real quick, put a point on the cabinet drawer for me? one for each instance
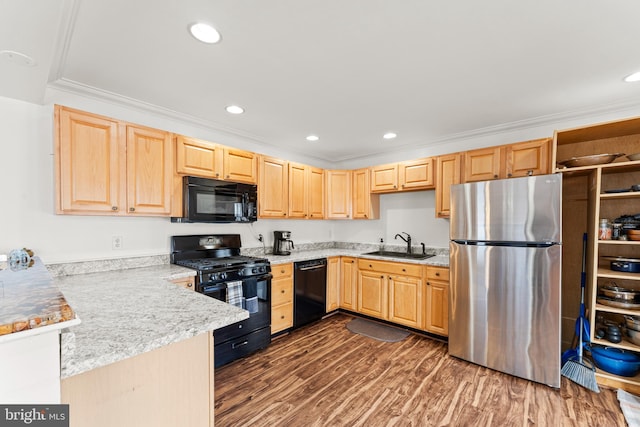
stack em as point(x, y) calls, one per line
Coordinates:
point(438, 273)
point(281, 317)
point(391, 267)
point(185, 282)
point(281, 292)
point(282, 270)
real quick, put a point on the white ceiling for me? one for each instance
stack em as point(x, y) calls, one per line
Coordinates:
point(346, 70)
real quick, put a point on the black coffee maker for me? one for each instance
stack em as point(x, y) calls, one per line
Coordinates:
point(282, 243)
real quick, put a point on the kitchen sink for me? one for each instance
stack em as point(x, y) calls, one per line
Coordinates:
point(392, 254)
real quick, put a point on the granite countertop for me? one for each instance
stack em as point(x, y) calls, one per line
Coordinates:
point(30, 301)
point(438, 260)
point(128, 312)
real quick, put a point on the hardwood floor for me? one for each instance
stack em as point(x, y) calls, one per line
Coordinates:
point(324, 375)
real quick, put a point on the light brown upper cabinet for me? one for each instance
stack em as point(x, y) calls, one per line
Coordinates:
point(384, 178)
point(273, 188)
point(483, 164)
point(417, 174)
point(209, 160)
point(198, 158)
point(149, 171)
point(306, 192)
point(338, 194)
point(240, 165)
point(508, 161)
point(448, 173)
point(107, 167)
point(529, 158)
point(364, 205)
point(404, 176)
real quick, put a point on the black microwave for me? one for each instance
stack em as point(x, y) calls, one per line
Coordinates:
point(211, 200)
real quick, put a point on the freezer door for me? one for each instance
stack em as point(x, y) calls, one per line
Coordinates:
point(504, 309)
point(514, 210)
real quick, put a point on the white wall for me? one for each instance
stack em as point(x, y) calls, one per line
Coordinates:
point(412, 212)
point(27, 215)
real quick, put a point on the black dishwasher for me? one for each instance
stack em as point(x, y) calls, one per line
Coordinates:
point(310, 283)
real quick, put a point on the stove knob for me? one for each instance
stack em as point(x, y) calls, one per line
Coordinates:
point(223, 276)
point(241, 273)
point(254, 270)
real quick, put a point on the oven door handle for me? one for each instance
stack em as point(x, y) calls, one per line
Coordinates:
point(214, 288)
point(239, 344)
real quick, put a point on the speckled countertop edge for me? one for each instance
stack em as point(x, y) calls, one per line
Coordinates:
point(129, 312)
point(437, 261)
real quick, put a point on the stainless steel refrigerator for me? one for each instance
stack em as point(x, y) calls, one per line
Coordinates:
point(505, 267)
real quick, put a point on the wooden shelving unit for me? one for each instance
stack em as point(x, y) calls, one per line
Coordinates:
point(590, 189)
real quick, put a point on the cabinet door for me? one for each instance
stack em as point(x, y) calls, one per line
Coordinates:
point(448, 173)
point(240, 166)
point(405, 300)
point(437, 300)
point(482, 165)
point(91, 175)
point(372, 294)
point(365, 205)
point(149, 171)
point(528, 158)
point(417, 174)
point(437, 310)
point(315, 193)
point(384, 178)
point(273, 188)
point(297, 191)
point(349, 283)
point(333, 283)
point(338, 194)
point(198, 158)
point(281, 297)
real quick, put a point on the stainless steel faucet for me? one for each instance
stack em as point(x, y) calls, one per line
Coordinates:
point(408, 240)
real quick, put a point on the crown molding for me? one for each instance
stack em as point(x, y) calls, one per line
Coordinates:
point(587, 114)
point(553, 121)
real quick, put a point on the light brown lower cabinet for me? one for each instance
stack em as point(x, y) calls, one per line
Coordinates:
point(281, 297)
point(437, 301)
point(186, 282)
point(391, 291)
point(411, 295)
point(348, 283)
point(167, 387)
point(333, 284)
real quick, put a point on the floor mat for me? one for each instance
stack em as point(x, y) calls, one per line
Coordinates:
point(376, 330)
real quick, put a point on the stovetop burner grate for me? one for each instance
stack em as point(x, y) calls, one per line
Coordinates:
point(224, 262)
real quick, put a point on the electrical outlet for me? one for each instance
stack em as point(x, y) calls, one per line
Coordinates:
point(260, 238)
point(116, 242)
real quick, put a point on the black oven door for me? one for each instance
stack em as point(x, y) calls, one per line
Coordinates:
point(259, 319)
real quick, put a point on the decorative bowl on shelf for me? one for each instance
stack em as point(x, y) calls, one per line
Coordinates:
point(596, 159)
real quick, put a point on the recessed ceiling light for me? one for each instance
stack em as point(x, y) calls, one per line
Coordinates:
point(204, 32)
point(389, 135)
point(18, 58)
point(234, 109)
point(313, 138)
point(635, 77)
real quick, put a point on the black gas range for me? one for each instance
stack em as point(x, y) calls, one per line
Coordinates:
point(239, 280)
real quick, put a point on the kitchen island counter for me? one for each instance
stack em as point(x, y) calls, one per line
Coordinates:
point(129, 312)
